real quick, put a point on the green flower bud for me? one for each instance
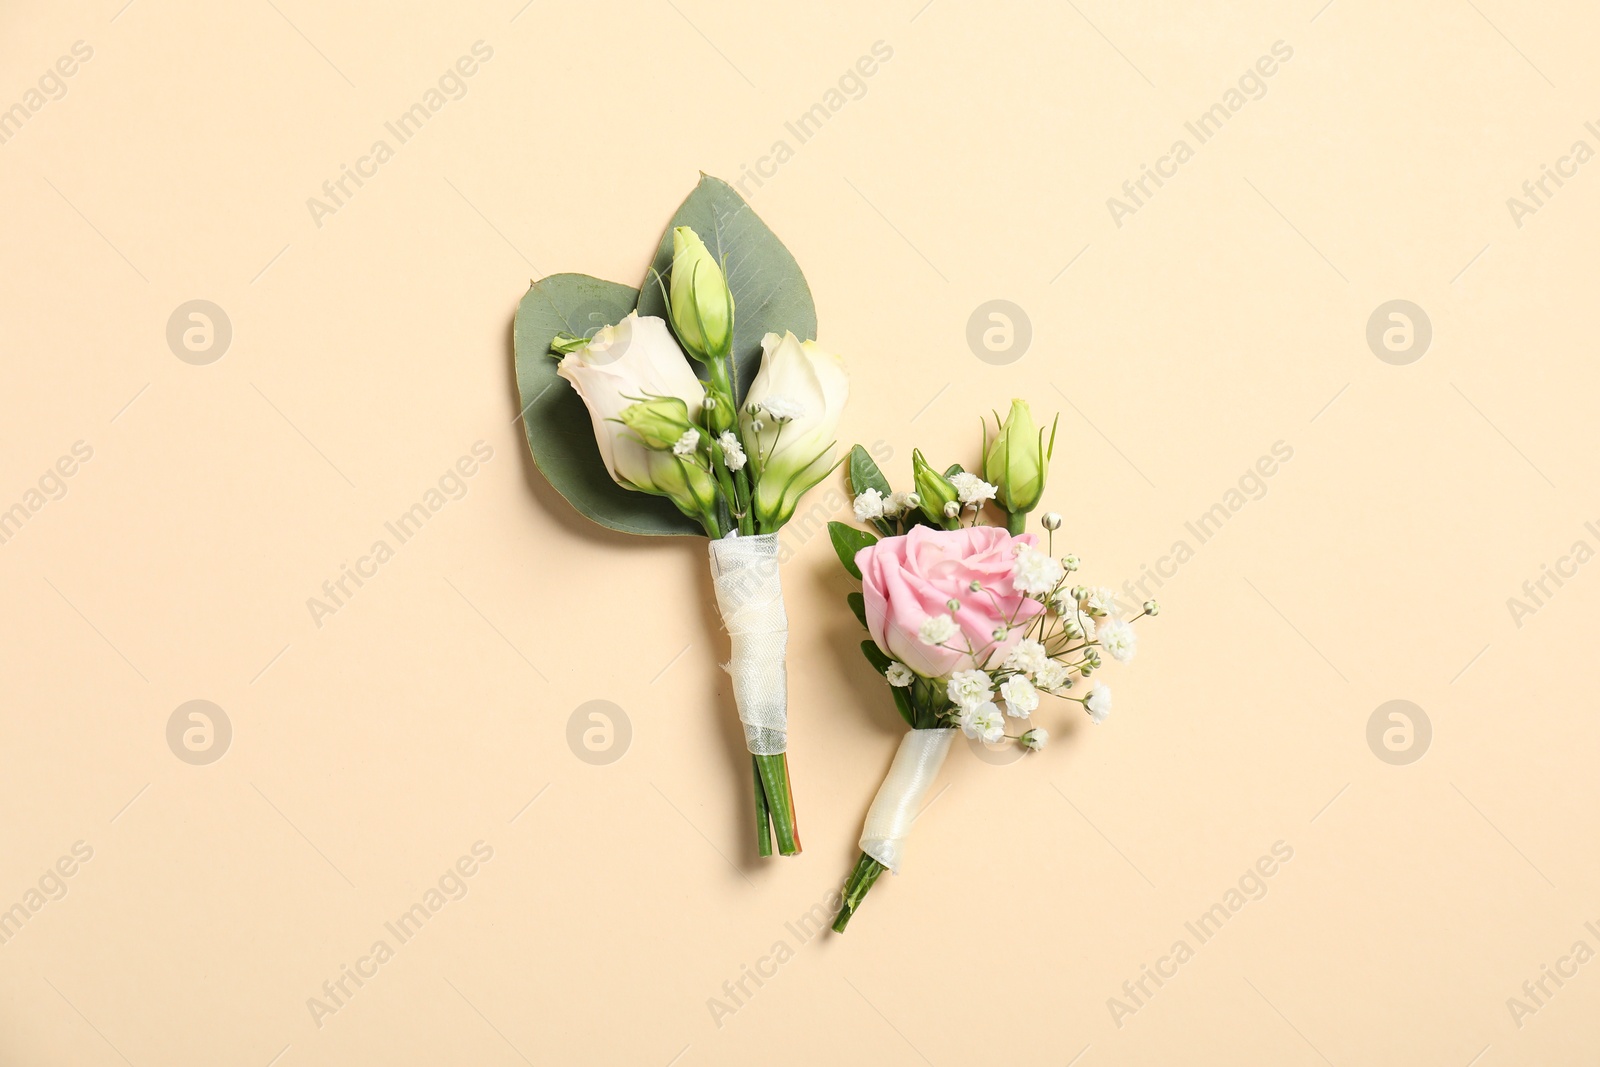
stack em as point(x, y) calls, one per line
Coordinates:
point(934, 492)
point(686, 484)
point(702, 306)
point(1017, 459)
point(719, 413)
point(660, 422)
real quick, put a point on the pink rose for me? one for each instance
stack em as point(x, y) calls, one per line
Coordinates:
point(906, 579)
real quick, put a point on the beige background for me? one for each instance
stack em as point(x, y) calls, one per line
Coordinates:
point(370, 352)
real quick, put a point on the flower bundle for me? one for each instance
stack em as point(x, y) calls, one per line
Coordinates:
point(970, 624)
point(695, 404)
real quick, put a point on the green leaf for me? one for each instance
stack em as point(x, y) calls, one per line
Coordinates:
point(864, 474)
point(847, 541)
point(875, 656)
point(770, 294)
point(902, 703)
point(952, 470)
point(858, 604)
point(559, 430)
point(880, 663)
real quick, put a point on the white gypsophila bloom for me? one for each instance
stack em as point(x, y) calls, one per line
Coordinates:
point(983, 723)
point(1035, 573)
point(951, 509)
point(937, 629)
point(1029, 657)
point(1034, 739)
point(1117, 638)
point(968, 689)
point(687, 443)
point(1098, 702)
point(1052, 676)
point(1100, 601)
point(971, 489)
point(869, 505)
point(899, 674)
point(783, 408)
point(732, 450)
point(1020, 696)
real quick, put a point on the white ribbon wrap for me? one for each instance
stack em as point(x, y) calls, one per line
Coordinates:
point(744, 571)
point(903, 793)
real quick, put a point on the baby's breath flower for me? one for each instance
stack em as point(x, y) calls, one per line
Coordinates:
point(1034, 739)
point(1029, 657)
point(971, 490)
point(968, 689)
point(783, 408)
point(1034, 572)
point(936, 629)
point(1052, 676)
point(1099, 601)
point(1098, 702)
point(899, 674)
point(899, 503)
point(732, 450)
point(1020, 696)
point(983, 723)
point(686, 444)
point(869, 505)
point(1050, 521)
point(1117, 638)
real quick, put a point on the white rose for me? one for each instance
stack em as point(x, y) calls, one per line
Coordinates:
point(796, 399)
point(637, 358)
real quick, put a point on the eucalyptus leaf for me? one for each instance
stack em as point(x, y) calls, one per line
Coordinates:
point(770, 295)
point(847, 541)
point(864, 474)
point(559, 431)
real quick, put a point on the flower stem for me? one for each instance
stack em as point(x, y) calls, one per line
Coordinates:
point(1016, 522)
point(773, 773)
point(763, 813)
point(855, 889)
